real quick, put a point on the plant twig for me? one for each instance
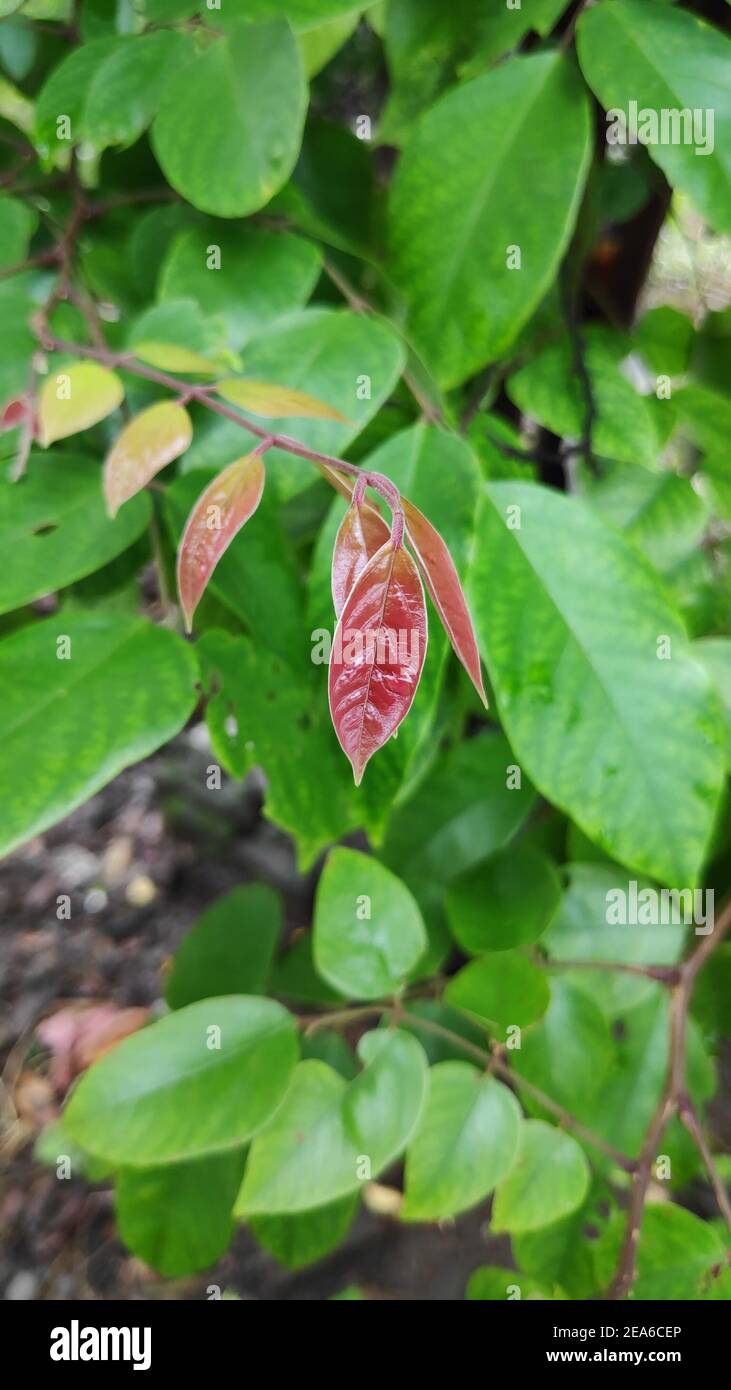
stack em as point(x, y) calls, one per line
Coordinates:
point(491, 1059)
point(200, 393)
point(500, 1068)
point(674, 1100)
point(585, 448)
point(666, 974)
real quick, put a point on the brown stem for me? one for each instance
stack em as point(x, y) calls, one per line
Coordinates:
point(490, 1059)
point(666, 974)
point(202, 395)
point(690, 1119)
point(50, 257)
point(674, 1100)
point(493, 1060)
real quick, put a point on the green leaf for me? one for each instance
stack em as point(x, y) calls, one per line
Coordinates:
point(248, 276)
point(124, 91)
point(549, 391)
point(197, 1082)
point(440, 1048)
point(591, 618)
point(506, 902)
point(502, 990)
point(549, 1180)
point(294, 977)
point(55, 526)
point(492, 1283)
point(321, 44)
point(59, 112)
point(568, 1054)
point(17, 342)
point(349, 360)
point(262, 714)
point(302, 14)
point(17, 224)
point(463, 811)
point(127, 685)
point(706, 415)
point(178, 1218)
point(299, 1240)
point(329, 1136)
point(75, 399)
point(715, 655)
point(466, 1143)
point(581, 932)
point(665, 60)
point(180, 327)
point(228, 129)
point(679, 1256)
point(368, 931)
point(665, 339)
point(230, 948)
point(560, 1254)
point(661, 512)
point(621, 1110)
point(332, 194)
point(453, 219)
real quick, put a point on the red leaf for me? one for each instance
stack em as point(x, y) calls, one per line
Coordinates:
point(378, 654)
point(362, 532)
point(218, 515)
point(14, 413)
point(442, 581)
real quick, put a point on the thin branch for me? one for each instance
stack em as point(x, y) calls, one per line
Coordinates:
point(500, 1068)
point(666, 974)
point(199, 393)
point(674, 1100)
point(486, 1058)
point(132, 199)
point(339, 1017)
point(50, 257)
point(690, 1119)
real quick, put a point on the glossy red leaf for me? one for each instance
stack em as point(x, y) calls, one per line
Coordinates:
point(362, 532)
point(218, 515)
point(378, 654)
point(442, 581)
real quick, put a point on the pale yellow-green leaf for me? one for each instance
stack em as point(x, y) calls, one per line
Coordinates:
point(15, 107)
point(275, 402)
point(169, 357)
point(76, 398)
point(150, 441)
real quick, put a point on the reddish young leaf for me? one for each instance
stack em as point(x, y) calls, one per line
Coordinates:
point(442, 581)
point(153, 439)
point(15, 413)
point(378, 654)
point(218, 515)
point(362, 532)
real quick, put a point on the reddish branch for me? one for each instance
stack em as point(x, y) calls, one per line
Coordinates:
point(201, 394)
